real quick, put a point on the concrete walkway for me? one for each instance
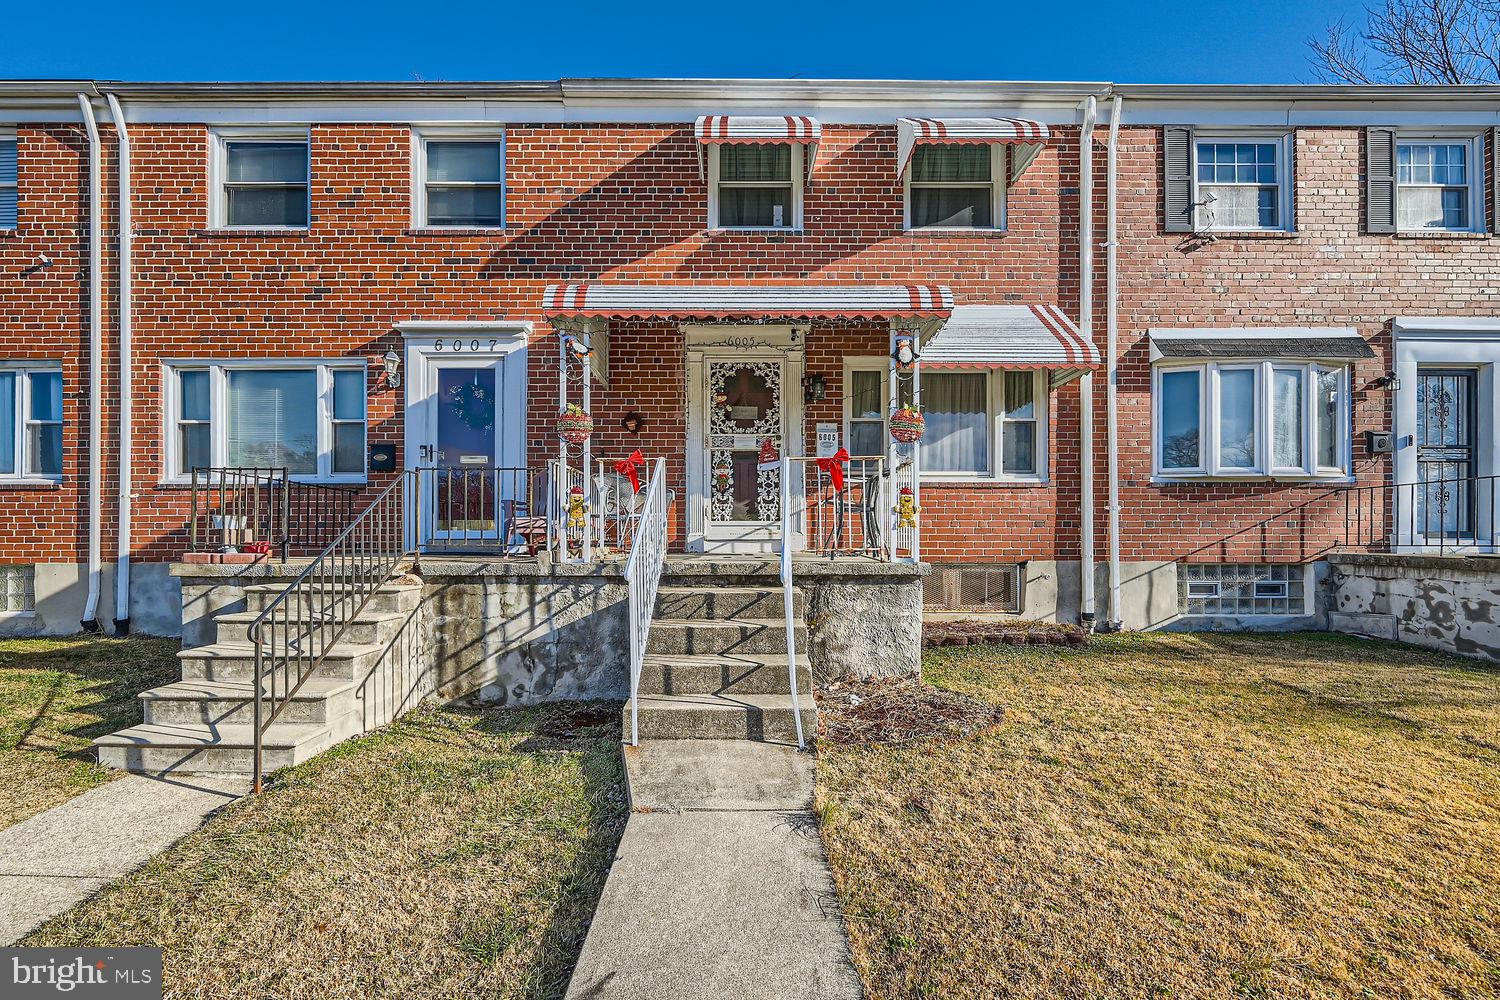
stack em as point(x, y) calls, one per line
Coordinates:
point(56, 859)
point(720, 888)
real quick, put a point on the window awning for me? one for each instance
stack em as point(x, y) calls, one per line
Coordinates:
point(1039, 336)
point(1310, 343)
point(749, 302)
point(1027, 136)
point(713, 130)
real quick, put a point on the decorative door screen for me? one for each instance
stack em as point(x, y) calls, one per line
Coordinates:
point(744, 441)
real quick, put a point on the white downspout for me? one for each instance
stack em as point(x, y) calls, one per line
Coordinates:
point(1112, 360)
point(90, 621)
point(127, 483)
point(1086, 384)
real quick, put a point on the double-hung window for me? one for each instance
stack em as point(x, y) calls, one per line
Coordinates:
point(1241, 182)
point(1435, 187)
point(306, 417)
point(755, 185)
point(31, 423)
point(1252, 418)
point(956, 186)
point(261, 181)
point(460, 181)
point(9, 180)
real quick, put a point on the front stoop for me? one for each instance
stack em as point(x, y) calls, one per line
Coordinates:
point(203, 723)
point(716, 667)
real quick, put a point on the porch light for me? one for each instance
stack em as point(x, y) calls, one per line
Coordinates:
point(392, 362)
point(1389, 381)
point(633, 422)
point(814, 388)
point(905, 352)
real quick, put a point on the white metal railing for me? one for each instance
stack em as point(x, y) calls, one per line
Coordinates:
point(617, 504)
point(904, 543)
point(565, 537)
point(787, 603)
point(648, 550)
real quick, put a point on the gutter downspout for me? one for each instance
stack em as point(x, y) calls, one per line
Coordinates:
point(1086, 384)
point(1112, 359)
point(127, 483)
point(90, 622)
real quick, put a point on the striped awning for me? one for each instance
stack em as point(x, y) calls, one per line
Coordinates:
point(1038, 336)
point(718, 129)
point(747, 302)
point(1027, 136)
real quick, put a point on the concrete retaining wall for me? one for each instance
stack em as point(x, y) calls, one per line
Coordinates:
point(1441, 602)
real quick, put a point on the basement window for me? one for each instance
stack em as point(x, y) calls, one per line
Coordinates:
point(977, 587)
point(1243, 589)
point(17, 589)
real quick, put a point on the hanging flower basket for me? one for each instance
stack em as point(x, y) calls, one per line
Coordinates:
point(574, 425)
point(907, 425)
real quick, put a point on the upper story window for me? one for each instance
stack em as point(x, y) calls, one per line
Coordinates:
point(755, 185)
point(1241, 183)
point(31, 419)
point(261, 181)
point(956, 186)
point(1434, 186)
point(308, 418)
point(9, 180)
point(461, 182)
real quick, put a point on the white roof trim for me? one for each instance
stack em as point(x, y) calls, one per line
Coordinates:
point(1446, 326)
point(440, 327)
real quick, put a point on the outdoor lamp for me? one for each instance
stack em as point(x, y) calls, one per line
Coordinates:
point(392, 362)
point(1390, 381)
point(814, 388)
point(905, 352)
point(633, 422)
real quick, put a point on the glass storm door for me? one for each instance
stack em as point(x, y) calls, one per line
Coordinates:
point(745, 441)
point(1445, 452)
point(465, 493)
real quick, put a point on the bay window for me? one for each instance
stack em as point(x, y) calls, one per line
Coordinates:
point(31, 419)
point(1252, 418)
point(308, 418)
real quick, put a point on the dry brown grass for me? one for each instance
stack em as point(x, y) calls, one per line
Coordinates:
point(56, 695)
point(1182, 816)
point(454, 853)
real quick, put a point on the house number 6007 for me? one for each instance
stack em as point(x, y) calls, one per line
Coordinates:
point(458, 346)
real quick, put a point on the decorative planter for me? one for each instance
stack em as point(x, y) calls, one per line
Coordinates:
point(574, 425)
point(907, 425)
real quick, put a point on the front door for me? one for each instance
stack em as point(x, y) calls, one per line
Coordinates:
point(1446, 427)
point(469, 486)
point(744, 422)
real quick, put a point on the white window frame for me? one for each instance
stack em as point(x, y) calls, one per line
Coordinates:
point(421, 135)
point(1209, 424)
point(1476, 172)
point(218, 370)
point(999, 185)
point(23, 370)
point(218, 197)
point(9, 135)
point(714, 184)
point(1285, 168)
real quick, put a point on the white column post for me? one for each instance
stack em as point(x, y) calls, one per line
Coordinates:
point(588, 460)
point(560, 488)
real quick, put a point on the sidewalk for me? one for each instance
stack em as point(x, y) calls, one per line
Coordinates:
point(55, 860)
point(720, 887)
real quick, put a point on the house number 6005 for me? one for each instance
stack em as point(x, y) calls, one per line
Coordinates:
point(458, 345)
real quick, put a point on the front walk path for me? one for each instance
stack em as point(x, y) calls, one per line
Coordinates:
point(720, 888)
point(56, 859)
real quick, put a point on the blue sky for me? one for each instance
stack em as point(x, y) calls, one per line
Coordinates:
point(1152, 41)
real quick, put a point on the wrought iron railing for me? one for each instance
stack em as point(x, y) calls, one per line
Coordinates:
point(643, 567)
point(788, 604)
point(501, 511)
point(1447, 515)
point(246, 507)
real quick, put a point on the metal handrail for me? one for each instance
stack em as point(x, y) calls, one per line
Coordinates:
point(643, 568)
point(787, 603)
point(308, 618)
point(500, 510)
point(1417, 515)
point(232, 506)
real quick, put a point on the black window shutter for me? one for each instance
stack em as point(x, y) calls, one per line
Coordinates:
point(1494, 174)
point(1177, 162)
point(1380, 180)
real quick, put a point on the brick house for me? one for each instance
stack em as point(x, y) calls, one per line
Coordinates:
point(347, 280)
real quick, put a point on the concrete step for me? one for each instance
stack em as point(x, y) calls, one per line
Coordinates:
point(319, 701)
point(685, 673)
point(721, 717)
point(389, 599)
point(370, 628)
point(710, 602)
point(736, 636)
point(235, 661)
point(202, 749)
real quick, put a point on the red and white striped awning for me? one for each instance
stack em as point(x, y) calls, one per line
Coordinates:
point(746, 301)
point(718, 129)
point(1027, 136)
point(1040, 336)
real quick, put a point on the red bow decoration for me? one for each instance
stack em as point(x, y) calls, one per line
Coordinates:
point(627, 467)
point(833, 465)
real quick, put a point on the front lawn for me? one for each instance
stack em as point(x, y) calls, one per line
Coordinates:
point(454, 853)
point(56, 695)
point(1182, 816)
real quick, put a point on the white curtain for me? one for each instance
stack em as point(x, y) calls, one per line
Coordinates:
point(957, 437)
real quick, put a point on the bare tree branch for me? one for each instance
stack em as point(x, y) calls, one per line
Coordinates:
point(1414, 42)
